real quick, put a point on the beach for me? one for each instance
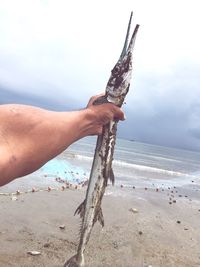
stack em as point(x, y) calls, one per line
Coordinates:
point(141, 228)
point(151, 214)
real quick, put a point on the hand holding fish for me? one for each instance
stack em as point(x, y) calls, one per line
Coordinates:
point(31, 136)
point(103, 114)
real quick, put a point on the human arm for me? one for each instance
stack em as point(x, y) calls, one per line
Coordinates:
point(31, 136)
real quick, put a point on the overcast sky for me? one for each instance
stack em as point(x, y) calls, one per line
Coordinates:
point(56, 54)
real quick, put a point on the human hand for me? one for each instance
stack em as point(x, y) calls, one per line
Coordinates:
point(102, 114)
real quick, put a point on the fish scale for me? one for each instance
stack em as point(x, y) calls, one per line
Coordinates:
point(90, 210)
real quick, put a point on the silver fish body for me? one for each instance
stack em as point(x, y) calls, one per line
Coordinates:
point(90, 210)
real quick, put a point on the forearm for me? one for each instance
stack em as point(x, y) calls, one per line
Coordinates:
point(30, 137)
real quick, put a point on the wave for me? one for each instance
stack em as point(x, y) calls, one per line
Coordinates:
point(148, 168)
point(144, 168)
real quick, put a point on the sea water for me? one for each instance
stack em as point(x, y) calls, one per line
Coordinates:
point(135, 164)
point(141, 163)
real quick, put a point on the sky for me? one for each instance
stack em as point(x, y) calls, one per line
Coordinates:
point(56, 54)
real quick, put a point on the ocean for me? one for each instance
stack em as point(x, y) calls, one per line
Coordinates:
point(136, 162)
point(135, 165)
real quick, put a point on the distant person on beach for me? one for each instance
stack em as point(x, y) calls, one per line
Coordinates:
point(31, 136)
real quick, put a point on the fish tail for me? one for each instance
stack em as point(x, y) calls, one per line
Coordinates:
point(73, 262)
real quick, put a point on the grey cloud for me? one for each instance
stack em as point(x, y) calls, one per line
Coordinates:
point(162, 110)
point(165, 110)
point(10, 96)
point(195, 133)
point(62, 70)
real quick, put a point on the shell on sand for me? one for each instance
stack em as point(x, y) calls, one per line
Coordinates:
point(33, 253)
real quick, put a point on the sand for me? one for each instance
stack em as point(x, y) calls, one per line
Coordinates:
point(141, 228)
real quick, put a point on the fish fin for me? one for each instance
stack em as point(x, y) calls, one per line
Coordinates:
point(99, 217)
point(80, 210)
point(72, 262)
point(112, 176)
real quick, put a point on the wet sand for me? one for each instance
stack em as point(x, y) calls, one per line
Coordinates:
point(143, 227)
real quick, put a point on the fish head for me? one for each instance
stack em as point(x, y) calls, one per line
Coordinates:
point(119, 81)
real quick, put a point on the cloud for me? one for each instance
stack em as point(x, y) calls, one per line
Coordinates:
point(194, 122)
point(165, 109)
point(9, 96)
point(53, 53)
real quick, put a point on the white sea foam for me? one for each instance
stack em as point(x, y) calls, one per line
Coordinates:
point(81, 157)
point(143, 168)
point(147, 168)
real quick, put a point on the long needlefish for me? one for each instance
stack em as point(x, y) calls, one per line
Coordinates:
point(90, 210)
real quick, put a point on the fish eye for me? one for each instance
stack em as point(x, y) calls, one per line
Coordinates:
point(116, 70)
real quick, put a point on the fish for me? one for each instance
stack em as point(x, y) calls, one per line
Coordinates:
point(116, 90)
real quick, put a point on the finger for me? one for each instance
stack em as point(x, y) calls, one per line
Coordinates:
point(119, 114)
point(93, 98)
point(99, 130)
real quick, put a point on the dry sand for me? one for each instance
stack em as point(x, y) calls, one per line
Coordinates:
point(158, 235)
